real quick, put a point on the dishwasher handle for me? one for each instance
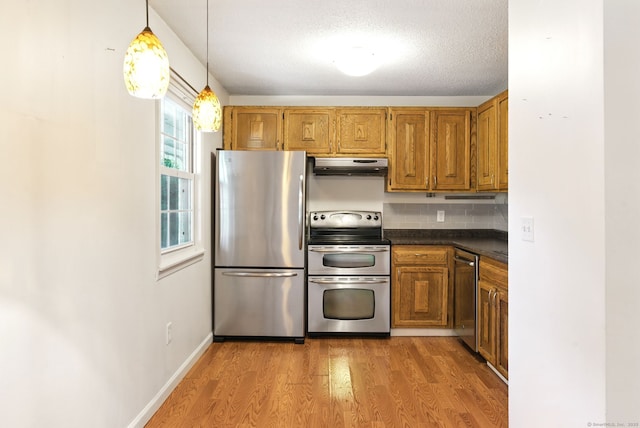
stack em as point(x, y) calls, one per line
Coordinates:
point(465, 261)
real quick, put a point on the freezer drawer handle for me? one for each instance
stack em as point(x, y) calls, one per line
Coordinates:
point(349, 250)
point(330, 281)
point(261, 274)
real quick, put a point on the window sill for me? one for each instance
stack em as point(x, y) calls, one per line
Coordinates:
point(175, 261)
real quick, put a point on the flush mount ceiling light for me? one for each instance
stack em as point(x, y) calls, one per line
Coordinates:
point(207, 113)
point(356, 61)
point(146, 65)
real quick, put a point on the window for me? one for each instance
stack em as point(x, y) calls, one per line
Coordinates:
point(179, 145)
point(176, 177)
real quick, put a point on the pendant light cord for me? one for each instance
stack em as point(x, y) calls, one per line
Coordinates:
point(147, 1)
point(207, 42)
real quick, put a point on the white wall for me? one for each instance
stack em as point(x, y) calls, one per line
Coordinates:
point(82, 317)
point(622, 179)
point(557, 342)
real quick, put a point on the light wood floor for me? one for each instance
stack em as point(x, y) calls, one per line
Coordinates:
point(338, 382)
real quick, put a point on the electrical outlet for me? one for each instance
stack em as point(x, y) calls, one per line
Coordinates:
point(169, 332)
point(527, 229)
point(440, 216)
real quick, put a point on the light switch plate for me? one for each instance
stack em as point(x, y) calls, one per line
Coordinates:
point(440, 216)
point(527, 229)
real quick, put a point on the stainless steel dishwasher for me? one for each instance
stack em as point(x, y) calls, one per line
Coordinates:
point(465, 294)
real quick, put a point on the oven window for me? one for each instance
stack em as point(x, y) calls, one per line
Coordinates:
point(348, 304)
point(350, 260)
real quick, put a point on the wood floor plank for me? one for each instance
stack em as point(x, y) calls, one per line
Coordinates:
point(338, 382)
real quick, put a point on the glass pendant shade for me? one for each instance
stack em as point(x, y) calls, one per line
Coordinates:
point(146, 67)
point(207, 113)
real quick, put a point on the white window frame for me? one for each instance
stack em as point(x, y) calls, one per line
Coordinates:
point(173, 259)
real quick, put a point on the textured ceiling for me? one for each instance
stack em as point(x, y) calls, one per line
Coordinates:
point(288, 47)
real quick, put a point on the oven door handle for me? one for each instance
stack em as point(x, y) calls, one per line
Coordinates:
point(261, 274)
point(349, 250)
point(361, 282)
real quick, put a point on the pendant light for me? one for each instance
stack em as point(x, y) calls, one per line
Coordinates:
point(146, 65)
point(207, 113)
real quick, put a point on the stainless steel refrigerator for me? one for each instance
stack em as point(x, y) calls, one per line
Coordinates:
point(259, 236)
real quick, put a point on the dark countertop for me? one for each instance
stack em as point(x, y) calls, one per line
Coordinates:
point(484, 242)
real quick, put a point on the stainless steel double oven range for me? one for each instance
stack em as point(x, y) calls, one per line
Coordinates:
point(349, 266)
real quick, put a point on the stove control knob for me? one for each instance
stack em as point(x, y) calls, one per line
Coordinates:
point(322, 217)
point(315, 217)
point(369, 217)
point(376, 218)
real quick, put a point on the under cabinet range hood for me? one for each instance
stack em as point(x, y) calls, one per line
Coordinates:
point(350, 166)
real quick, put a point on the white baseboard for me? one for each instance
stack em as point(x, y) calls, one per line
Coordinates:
point(150, 409)
point(505, 380)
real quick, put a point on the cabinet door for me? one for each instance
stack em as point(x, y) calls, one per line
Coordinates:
point(502, 339)
point(486, 321)
point(420, 296)
point(255, 128)
point(361, 131)
point(409, 152)
point(309, 129)
point(487, 145)
point(450, 149)
point(503, 141)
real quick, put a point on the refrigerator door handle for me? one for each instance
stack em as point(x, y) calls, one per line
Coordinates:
point(262, 274)
point(301, 213)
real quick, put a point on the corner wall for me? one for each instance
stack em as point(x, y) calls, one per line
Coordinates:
point(622, 110)
point(557, 341)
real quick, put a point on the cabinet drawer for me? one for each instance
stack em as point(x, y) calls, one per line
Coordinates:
point(417, 254)
point(494, 272)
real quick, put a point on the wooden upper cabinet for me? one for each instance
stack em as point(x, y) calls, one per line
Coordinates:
point(430, 149)
point(493, 144)
point(503, 141)
point(361, 131)
point(408, 149)
point(253, 128)
point(451, 149)
point(312, 130)
point(487, 145)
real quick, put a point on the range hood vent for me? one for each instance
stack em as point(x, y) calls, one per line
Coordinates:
point(350, 166)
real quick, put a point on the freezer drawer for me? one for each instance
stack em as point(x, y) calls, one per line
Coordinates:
point(258, 303)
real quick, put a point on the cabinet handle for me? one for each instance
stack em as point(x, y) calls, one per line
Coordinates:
point(435, 181)
point(426, 179)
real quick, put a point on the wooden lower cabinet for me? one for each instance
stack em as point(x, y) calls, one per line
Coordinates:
point(502, 339)
point(421, 286)
point(493, 314)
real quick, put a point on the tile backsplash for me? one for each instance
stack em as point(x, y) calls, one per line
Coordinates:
point(456, 216)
